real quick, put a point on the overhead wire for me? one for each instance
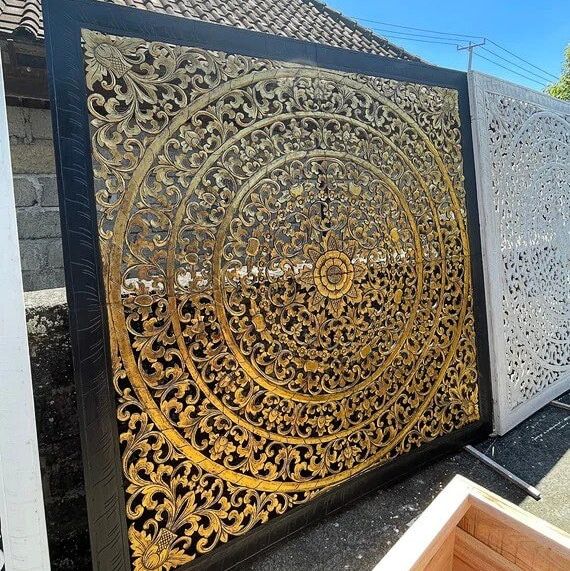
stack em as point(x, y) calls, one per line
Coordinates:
point(416, 29)
point(508, 69)
point(390, 37)
point(511, 62)
point(452, 38)
point(522, 59)
point(398, 36)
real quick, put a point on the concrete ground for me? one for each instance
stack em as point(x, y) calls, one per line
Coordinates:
point(357, 537)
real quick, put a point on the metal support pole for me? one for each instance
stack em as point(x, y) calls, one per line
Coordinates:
point(560, 404)
point(530, 490)
point(469, 48)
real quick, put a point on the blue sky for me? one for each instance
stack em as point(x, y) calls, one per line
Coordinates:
point(536, 30)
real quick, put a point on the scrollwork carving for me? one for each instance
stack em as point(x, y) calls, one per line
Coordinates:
point(525, 172)
point(288, 280)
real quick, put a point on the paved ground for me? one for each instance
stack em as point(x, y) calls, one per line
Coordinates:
point(358, 537)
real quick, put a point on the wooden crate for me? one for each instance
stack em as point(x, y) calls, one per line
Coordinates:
point(468, 528)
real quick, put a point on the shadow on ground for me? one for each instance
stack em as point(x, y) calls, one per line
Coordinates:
point(357, 537)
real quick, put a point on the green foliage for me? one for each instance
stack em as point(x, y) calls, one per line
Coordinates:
point(561, 89)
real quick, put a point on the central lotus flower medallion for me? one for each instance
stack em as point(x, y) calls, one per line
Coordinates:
point(333, 274)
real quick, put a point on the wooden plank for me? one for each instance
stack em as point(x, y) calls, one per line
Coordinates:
point(476, 555)
point(524, 547)
point(443, 557)
point(460, 565)
point(523, 521)
point(21, 499)
point(516, 536)
point(415, 549)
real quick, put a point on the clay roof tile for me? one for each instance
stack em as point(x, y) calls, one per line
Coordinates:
point(304, 19)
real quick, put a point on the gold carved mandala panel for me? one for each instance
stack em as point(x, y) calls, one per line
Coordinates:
point(288, 281)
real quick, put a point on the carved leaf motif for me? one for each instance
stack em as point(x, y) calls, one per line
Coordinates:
point(288, 275)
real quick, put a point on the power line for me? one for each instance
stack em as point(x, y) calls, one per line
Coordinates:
point(509, 70)
point(454, 36)
point(410, 36)
point(417, 29)
point(522, 59)
point(417, 40)
point(513, 63)
point(413, 38)
point(419, 35)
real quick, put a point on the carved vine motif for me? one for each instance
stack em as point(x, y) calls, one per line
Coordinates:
point(530, 149)
point(288, 277)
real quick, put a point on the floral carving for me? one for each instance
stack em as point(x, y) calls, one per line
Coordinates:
point(288, 281)
point(333, 274)
point(525, 174)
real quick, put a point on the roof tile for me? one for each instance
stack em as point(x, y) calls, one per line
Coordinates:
point(303, 19)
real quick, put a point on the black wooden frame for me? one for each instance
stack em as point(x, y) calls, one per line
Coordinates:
point(97, 403)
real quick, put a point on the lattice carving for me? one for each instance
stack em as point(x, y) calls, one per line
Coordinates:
point(524, 172)
point(288, 277)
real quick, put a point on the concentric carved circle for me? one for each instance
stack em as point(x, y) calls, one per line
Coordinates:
point(288, 204)
point(288, 277)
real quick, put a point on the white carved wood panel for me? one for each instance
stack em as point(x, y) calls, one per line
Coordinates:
point(522, 157)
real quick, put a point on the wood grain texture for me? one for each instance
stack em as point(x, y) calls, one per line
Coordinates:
point(442, 560)
point(468, 528)
point(470, 553)
point(526, 547)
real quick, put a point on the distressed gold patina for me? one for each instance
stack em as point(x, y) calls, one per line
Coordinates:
point(288, 281)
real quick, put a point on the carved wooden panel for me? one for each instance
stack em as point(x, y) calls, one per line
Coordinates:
point(524, 185)
point(287, 278)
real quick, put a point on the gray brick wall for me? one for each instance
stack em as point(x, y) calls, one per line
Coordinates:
point(35, 190)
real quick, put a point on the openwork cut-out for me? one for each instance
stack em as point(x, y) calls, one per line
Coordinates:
point(288, 280)
point(524, 164)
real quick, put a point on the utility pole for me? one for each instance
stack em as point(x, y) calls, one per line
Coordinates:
point(470, 48)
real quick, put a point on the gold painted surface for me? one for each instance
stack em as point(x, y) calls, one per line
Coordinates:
point(288, 281)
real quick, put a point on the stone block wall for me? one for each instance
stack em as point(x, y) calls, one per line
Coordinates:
point(35, 189)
